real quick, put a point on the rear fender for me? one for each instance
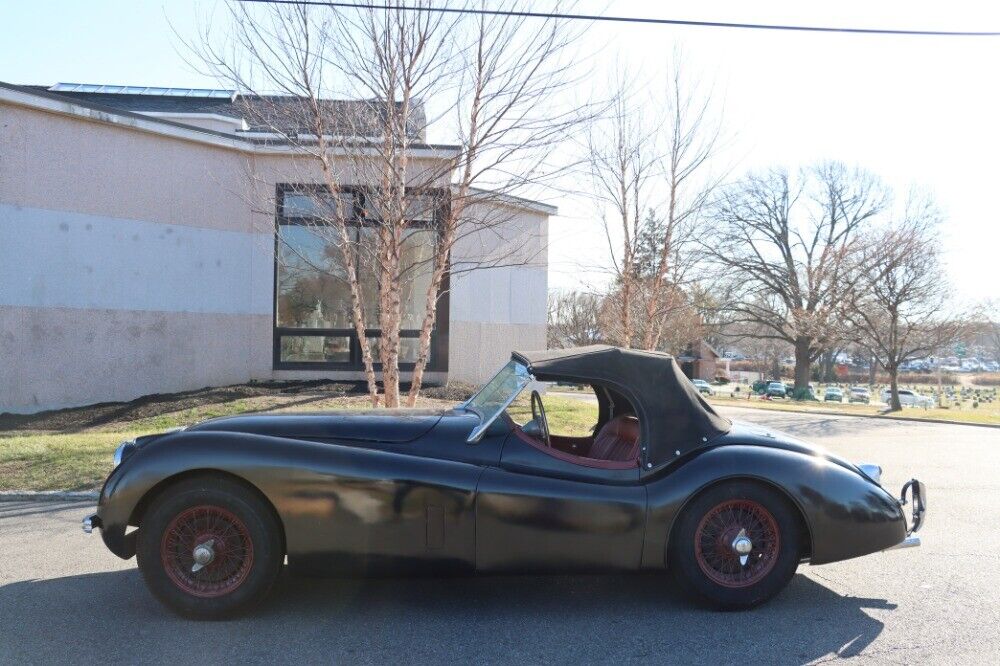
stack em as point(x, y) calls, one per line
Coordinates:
point(845, 514)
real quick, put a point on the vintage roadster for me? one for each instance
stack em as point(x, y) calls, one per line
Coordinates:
point(662, 483)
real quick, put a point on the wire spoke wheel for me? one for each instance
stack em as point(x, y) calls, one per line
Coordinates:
point(207, 551)
point(716, 538)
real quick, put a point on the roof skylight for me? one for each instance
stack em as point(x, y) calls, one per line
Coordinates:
point(142, 90)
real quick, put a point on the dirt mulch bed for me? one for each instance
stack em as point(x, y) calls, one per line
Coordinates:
point(284, 393)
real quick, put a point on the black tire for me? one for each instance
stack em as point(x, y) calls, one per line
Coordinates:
point(699, 554)
point(246, 561)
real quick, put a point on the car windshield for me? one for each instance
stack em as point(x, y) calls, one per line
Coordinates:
point(496, 395)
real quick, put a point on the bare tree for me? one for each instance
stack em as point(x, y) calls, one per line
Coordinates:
point(899, 308)
point(641, 161)
point(573, 319)
point(493, 79)
point(785, 245)
point(678, 321)
point(991, 328)
point(623, 160)
point(691, 140)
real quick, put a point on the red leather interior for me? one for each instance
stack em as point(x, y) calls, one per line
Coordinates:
point(618, 440)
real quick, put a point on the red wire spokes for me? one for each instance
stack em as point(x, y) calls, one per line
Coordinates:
point(229, 541)
point(717, 531)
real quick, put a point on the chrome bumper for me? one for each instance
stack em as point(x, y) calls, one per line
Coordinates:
point(914, 493)
point(89, 523)
point(908, 542)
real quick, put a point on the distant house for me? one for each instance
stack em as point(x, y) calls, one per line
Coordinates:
point(701, 361)
point(154, 240)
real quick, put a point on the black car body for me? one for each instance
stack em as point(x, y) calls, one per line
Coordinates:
point(413, 491)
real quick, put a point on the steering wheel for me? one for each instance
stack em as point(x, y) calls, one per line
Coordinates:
point(538, 416)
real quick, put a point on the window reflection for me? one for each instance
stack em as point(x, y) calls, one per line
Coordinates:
point(313, 288)
point(315, 349)
point(409, 349)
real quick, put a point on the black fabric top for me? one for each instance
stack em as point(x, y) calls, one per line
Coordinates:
point(673, 416)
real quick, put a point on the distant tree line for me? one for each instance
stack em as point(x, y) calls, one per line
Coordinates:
point(808, 262)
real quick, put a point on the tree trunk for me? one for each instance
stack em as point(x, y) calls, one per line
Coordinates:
point(828, 374)
point(626, 306)
point(427, 325)
point(389, 315)
point(872, 369)
point(894, 404)
point(802, 361)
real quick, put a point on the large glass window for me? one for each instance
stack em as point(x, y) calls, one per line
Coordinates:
point(313, 287)
point(313, 307)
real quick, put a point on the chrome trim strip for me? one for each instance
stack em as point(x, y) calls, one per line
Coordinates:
point(908, 542)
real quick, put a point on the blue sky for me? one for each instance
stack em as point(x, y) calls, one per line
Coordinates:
point(916, 111)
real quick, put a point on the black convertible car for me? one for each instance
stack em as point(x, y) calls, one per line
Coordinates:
point(663, 482)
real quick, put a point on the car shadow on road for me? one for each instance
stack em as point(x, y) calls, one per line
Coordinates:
point(584, 619)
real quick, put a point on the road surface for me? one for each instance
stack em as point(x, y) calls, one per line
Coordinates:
point(65, 599)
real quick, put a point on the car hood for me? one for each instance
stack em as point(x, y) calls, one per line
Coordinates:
point(756, 435)
point(382, 425)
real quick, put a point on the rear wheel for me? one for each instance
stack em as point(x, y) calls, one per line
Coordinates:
point(209, 548)
point(736, 545)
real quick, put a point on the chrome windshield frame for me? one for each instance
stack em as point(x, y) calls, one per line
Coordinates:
point(524, 379)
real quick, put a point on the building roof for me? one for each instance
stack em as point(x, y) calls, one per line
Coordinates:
point(131, 108)
point(282, 114)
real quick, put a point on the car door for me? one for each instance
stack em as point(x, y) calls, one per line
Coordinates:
point(540, 512)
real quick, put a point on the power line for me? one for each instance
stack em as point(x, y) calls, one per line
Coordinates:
point(632, 19)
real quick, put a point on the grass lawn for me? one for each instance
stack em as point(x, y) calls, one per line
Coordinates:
point(983, 414)
point(566, 416)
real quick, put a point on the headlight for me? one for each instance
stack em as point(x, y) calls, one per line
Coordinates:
point(872, 471)
point(124, 450)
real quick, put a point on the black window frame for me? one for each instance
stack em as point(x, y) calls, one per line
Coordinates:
point(438, 361)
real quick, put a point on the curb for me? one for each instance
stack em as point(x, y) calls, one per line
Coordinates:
point(912, 419)
point(48, 496)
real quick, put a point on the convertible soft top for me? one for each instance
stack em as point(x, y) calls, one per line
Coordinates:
point(675, 418)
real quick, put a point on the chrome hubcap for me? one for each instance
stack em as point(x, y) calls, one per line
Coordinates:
point(203, 555)
point(742, 546)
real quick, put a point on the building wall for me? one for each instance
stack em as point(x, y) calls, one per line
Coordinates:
point(132, 264)
point(129, 265)
point(499, 291)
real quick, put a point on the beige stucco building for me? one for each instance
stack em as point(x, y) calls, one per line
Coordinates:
point(141, 242)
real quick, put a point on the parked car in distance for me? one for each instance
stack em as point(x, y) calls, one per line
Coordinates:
point(833, 394)
point(776, 390)
point(810, 391)
point(909, 398)
point(859, 394)
point(703, 387)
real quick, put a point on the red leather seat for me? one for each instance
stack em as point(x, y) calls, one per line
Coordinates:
point(618, 440)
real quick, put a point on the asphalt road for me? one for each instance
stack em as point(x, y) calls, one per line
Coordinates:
point(65, 599)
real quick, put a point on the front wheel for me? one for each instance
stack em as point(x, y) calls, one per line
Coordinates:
point(209, 548)
point(736, 545)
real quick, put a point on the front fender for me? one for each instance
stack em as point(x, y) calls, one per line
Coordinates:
point(845, 514)
point(240, 455)
point(336, 503)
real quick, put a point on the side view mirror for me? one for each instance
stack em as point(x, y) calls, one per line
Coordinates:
point(532, 428)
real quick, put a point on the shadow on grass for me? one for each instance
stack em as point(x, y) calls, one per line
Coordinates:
point(572, 619)
point(76, 419)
